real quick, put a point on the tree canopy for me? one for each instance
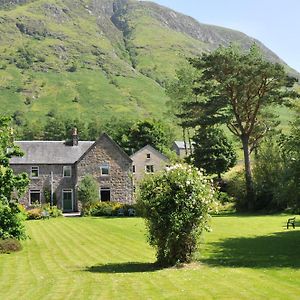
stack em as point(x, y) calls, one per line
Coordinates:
point(11, 186)
point(213, 151)
point(88, 193)
point(237, 88)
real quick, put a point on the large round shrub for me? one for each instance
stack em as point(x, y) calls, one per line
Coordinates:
point(176, 204)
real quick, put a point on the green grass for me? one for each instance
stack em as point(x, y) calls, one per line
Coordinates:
point(244, 257)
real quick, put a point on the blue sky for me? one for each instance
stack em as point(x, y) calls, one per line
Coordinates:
point(276, 23)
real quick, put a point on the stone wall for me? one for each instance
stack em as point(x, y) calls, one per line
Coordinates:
point(42, 183)
point(119, 180)
point(140, 161)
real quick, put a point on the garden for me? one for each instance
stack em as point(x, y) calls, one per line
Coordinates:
point(243, 257)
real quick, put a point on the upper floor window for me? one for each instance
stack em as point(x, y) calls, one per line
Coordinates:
point(149, 168)
point(35, 172)
point(148, 155)
point(133, 169)
point(105, 169)
point(67, 171)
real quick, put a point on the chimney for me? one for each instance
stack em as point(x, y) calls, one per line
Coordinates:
point(74, 137)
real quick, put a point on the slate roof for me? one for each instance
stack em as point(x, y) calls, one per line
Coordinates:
point(151, 149)
point(50, 152)
point(180, 144)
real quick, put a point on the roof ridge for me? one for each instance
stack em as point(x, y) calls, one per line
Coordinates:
point(51, 141)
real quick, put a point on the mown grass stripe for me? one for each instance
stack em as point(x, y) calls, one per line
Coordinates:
point(245, 257)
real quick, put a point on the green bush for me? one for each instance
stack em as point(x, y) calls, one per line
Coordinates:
point(110, 209)
point(10, 245)
point(176, 204)
point(11, 222)
point(55, 212)
point(236, 188)
point(34, 213)
point(88, 193)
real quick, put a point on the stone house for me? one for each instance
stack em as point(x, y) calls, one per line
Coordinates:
point(57, 167)
point(146, 161)
point(182, 149)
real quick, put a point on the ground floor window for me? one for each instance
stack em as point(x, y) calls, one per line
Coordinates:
point(105, 194)
point(67, 200)
point(149, 169)
point(34, 197)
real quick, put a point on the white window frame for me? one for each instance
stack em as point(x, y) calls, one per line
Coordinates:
point(105, 189)
point(148, 154)
point(62, 197)
point(105, 165)
point(37, 192)
point(147, 169)
point(65, 168)
point(38, 171)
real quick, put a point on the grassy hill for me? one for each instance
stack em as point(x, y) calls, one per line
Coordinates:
point(98, 58)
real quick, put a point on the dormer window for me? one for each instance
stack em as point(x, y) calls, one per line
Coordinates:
point(148, 155)
point(35, 172)
point(104, 169)
point(67, 171)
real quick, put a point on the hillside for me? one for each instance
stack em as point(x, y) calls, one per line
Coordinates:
point(97, 57)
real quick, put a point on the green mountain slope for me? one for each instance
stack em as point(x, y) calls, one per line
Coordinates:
point(101, 58)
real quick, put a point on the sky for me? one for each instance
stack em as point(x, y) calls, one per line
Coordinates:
point(276, 23)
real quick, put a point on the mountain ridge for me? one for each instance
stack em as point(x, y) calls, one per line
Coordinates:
point(98, 57)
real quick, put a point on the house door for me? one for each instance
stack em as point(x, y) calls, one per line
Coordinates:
point(67, 200)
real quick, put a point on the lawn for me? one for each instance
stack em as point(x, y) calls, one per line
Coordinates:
point(244, 257)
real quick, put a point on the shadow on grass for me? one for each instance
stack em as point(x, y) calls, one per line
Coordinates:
point(128, 267)
point(278, 250)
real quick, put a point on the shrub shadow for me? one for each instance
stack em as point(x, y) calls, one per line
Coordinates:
point(277, 250)
point(127, 267)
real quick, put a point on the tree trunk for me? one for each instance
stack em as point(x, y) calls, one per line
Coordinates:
point(184, 139)
point(250, 194)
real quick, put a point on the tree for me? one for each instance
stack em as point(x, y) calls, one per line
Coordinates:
point(181, 91)
point(11, 186)
point(213, 151)
point(70, 124)
point(291, 150)
point(32, 130)
point(277, 171)
point(175, 204)
point(88, 193)
point(236, 88)
point(54, 129)
point(142, 133)
point(269, 175)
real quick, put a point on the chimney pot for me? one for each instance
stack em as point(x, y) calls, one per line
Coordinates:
point(74, 137)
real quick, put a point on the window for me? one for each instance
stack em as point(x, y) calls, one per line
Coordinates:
point(67, 171)
point(148, 155)
point(34, 197)
point(105, 169)
point(133, 169)
point(149, 168)
point(104, 194)
point(34, 172)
